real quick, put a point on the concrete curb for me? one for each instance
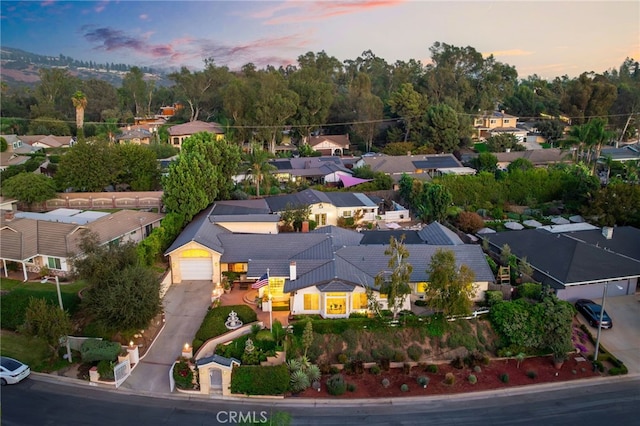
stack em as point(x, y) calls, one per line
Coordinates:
point(328, 402)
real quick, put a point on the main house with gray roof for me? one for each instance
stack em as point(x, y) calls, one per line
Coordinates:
point(326, 271)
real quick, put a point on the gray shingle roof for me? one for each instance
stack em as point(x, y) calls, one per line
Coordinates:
point(564, 259)
point(340, 237)
point(241, 247)
point(218, 359)
point(383, 237)
point(202, 231)
point(335, 285)
point(437, 234)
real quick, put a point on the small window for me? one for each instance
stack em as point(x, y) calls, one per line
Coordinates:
point(506, 121)
point(492, 121)
point(346, 213)
point(54, 263)
point(176, 141)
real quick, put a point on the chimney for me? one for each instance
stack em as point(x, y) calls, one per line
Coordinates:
point(8, 216)
point(408, 153)
point(607, 232)
point(305, 226)
point(292, 270)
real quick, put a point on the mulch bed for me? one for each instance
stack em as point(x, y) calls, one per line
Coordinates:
point(370, 386)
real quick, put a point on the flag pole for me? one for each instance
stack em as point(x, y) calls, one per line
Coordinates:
point(270, 305)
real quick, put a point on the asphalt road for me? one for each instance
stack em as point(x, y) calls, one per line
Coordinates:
point(597, 403)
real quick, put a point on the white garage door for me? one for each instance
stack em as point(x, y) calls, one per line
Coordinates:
point(196, 269)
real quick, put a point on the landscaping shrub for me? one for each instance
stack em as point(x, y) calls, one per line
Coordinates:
point(415, 352)
point(404, 387)
point(105, 369)
point(432, 368)
point(529, 291)
point(213, 323)
point(406, 368)
point(470, 222)
point(476, 358)
point(385, 383)
point(455, 340)
point(423, 381)
point(351, 387)
point(336, 385)
point(449, 379)
point(477, 369)
point(375, 369)
point(343, 358)
point(334, 326)
point(532, 374)
point(491, 297)
point(504, 378)
point(98, 350)
point(472, 379)
point(398, 356)
point(259, 380)
point(182, 374)
point(299, 381)
point(421, 302)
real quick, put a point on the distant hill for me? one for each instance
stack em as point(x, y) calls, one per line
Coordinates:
point(19, 67)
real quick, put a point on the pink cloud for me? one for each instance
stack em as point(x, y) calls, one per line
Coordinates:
point(319, 10)
point(180, 51)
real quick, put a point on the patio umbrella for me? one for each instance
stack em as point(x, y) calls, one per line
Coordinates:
point(514, 226)
point(532, 223)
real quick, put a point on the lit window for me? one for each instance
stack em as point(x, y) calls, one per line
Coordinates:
point(311, 302)
point(359, 301)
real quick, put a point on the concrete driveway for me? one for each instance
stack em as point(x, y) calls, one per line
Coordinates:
point(185, 306)
point(623, 339)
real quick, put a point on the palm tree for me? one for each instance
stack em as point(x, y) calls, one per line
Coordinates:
point(598, 135)
point(577, 138)
point(79, 100)
point(259, 165)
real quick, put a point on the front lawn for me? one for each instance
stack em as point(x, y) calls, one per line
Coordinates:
point(30, 350)
point(213, 323)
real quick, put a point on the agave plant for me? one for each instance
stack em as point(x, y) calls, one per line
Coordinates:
point(293, 365)
point(299, 381)
point(313, 372)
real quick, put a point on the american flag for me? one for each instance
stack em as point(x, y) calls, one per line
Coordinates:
point(262, 281)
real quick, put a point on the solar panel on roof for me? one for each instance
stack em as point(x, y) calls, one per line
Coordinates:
point(436, 163)
point(282, 165)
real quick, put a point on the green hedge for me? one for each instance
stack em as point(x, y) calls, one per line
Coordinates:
point(14, 305)
point(99, 350)
point(258, 380)
point(213, 323)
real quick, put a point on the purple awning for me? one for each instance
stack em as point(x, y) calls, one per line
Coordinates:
point(348, 181)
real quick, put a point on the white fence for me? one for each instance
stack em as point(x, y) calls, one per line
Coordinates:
point(75, 343)
point(474, 315)
point(165, 284)
point(396, 216)
point(121, 371)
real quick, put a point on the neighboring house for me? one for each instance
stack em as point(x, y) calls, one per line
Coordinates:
point(625, 153)
point(326, 207)
point(494, 121)
point(538, 157)
point(178, 133)
point(423, 167)
point(139, 136)
point(48, 141)
point(325, 272)
point(578, 264)
point(8, 159)
point(329, 144)
point(38, 240)
point(16, 145)
point(321, 170)
point(8, 205)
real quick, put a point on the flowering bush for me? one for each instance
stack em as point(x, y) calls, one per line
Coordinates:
point(182, 374)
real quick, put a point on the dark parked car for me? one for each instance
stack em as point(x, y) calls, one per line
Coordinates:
point(591, 312)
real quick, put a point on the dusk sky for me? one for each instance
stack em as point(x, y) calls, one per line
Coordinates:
point(542, 37)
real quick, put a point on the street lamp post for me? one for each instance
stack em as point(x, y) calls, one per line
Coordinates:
point(44, 280)
point(604, 299)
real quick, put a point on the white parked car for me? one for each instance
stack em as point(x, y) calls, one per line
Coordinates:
point(12, 371)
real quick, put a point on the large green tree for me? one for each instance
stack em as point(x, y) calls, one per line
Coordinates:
point(121, 294)
point(394, 282)
point(450, 289)
point(29, 188)
point(139, 168)
point(89, 166)
point(442, 128)
point(409, 105)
